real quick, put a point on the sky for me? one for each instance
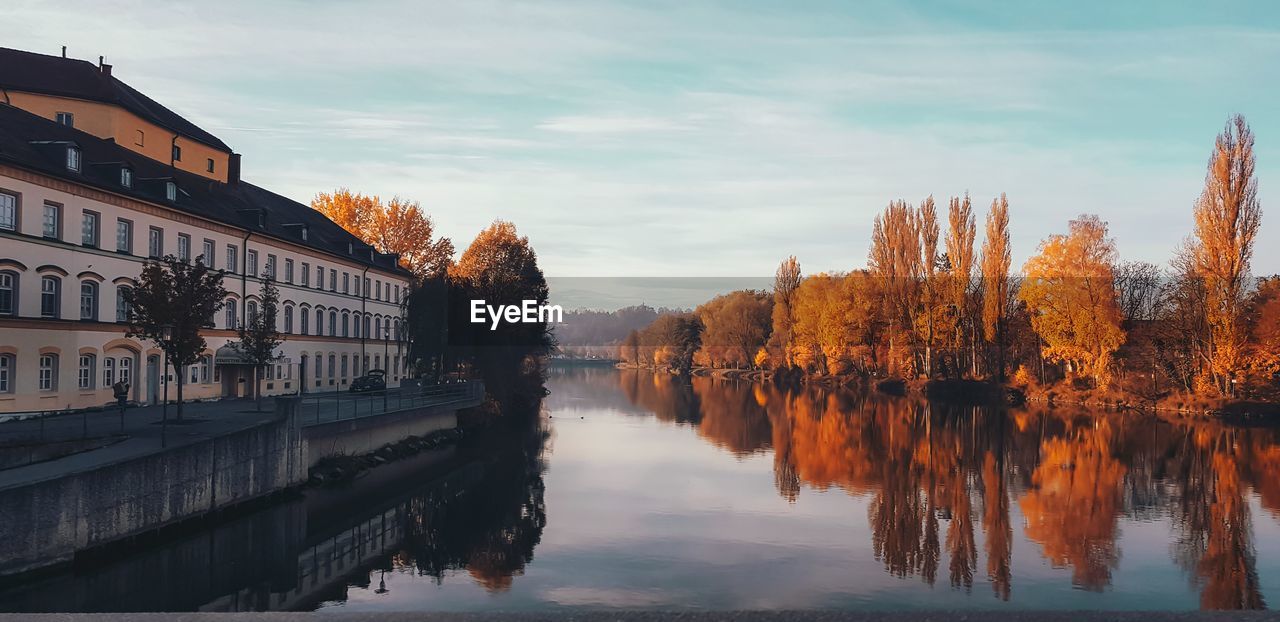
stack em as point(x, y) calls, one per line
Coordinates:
point(711, 139)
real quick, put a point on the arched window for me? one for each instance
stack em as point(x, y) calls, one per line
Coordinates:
point(344, 367)
point(7, 367)
point(85, 372)
point(377, 328)
point(377, 362)
point(355, 326)
point(126, 370)
point(251, 312)
point(231, 314)
point(367, 319)
point(288, 319)
point(50, 297)
point(8, 292)
point(396, 336)
point(88, 300)
point(303, 319)
point(122, 303)
point(108, 371)
point(346, 322)
point(333, 323)
point(333, 366)
point(319, 320)
point(319, 365)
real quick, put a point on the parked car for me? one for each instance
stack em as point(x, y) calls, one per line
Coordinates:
point(375, 380)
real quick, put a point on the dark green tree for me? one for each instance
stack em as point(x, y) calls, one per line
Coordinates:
point(259, 338)
point(172, 301)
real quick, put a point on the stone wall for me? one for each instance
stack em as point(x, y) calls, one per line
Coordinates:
point(46, 522)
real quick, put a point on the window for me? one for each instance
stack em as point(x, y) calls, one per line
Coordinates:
point(8, 293)
point(333, 364)
point(344, 367)
point(73, 159)
point(346, 322)
point(288, 319)
point(88, 300)
point(126, 177)
point(177, 153)
point(233, 254)
point(124, 235)
point(366, 325)
point(89, 229)
point(231, 314)
point(126, 370)
point(251, 263)
point(306, 274)
point(206, 363)
point(302, 321)
point(251, 312)
point(65, 118)
point(171, 191)
point(397, 298)
point(319, 277)
point(85, 373)
point(184, 248)
point(355, 326)
point(52, 220)
point(271, 266)
point(209, 165)
point(333, 280)
point(122, 303)
point(139, 139)
point(7, 365)
point(108, 371)
point(48, 376)
point(377, 288)
point(346, 283)
point(206, 253)
point(155, 242)
point(8, 211)
point(319, 321)
point(333, 323)
point(356, 285)
point(318, 366)
point(50, 294)
point(288, 271)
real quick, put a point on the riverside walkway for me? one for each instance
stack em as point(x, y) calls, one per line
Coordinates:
point(93, 438)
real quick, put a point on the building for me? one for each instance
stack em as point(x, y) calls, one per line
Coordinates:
point(95, 178)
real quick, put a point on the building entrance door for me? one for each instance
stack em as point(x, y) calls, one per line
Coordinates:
point(153, 379)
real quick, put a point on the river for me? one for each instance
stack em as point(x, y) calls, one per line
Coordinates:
point(643, 491)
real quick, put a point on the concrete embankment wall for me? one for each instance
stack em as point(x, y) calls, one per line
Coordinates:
point(354, 437)
point(46, 522)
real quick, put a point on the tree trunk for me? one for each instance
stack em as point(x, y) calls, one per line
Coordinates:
point(177, 372)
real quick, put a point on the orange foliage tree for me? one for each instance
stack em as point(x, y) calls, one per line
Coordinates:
point(399, 226)
point(996, 258)
point(1071, 296)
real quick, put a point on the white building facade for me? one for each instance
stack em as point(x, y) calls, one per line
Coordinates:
point(79, 217)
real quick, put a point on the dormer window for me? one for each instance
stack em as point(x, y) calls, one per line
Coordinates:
point(126, 177)
point(177, 153)
point(66, 118)
point(171, 191)
point(73, 159)
point(304, 233)
point(351, 248)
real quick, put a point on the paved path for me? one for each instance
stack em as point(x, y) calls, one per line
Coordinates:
point(657, 616)
point(149, 429)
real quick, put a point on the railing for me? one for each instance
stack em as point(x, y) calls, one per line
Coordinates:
point(330, 406)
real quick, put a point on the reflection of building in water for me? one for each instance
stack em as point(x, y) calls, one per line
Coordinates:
point(942, 480)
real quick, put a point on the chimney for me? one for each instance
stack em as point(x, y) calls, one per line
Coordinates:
point(100, 62)
point(106, 70)
point(233, 169)
point(64, 51)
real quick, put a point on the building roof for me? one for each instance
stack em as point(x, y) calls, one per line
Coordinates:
point(39, 144)
point(70, 77)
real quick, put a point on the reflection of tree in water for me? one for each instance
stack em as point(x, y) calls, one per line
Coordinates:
point(934, 472)
point(491, 528)
point(1215, 544)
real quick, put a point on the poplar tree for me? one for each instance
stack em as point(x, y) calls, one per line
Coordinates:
point(996, 258)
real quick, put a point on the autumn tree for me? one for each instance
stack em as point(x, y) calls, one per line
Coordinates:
point(961, 232)
point(501, 268)
point(171, 303)
point(996, 258)
point(785, 282)
point(1070, 295)
point(931, 298)
point(1227, 217)
point(835, 322)
point(735, 325)
point(399, 227)
point(896, 260)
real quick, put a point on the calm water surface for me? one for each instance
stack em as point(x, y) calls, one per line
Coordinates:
point(647, 492)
